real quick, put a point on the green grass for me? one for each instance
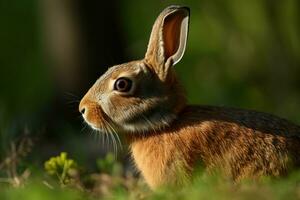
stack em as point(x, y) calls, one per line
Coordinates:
point(210, 188)
point(63, 181)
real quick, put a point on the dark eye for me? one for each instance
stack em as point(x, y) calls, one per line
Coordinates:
point(123, 84)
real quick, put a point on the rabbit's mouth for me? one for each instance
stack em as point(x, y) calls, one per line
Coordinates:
point(96, 118)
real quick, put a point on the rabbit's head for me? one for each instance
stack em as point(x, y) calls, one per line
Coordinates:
point(142, 95)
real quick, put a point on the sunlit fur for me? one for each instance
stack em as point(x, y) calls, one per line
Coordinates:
point(152, 106)
point(169, 139)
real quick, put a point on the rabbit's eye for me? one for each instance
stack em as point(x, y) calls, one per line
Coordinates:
point(123, 84)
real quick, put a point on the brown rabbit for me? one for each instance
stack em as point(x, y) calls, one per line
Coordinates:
point(144, 101)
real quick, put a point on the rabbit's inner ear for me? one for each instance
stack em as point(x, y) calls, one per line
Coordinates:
point(168, 39)
point(175, 31)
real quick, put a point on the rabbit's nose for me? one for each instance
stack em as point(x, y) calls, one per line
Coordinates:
point(82, 111)
point(82, 107)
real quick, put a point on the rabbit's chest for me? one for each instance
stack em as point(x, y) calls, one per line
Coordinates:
point(160, 163)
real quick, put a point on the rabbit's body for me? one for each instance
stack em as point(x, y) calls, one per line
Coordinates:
point(144, 101)
point(240, 143)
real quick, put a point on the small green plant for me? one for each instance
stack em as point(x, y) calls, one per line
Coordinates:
point(109, 165)
point(62, 167)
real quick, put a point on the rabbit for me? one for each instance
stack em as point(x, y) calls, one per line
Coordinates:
point(144, 101)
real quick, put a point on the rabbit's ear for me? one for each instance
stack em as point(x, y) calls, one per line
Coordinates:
point(168, 39)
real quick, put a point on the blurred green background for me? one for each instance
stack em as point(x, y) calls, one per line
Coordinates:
point(242, 54)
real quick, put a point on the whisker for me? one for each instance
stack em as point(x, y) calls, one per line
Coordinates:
point(104, 143)
point(102, 139)
point(115, 147)
point(71, 99)
point(98, 136)
point(69, 94)
point(107, 140)
point(118, 139)
point(73, 102)
point(113, 130)
point(110, 131)
point(84, 127)
point(115, 133)
point(91, 134)
point(80, 116)
point(94, 135)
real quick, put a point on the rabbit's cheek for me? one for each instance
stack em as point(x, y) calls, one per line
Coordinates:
point(107, 109)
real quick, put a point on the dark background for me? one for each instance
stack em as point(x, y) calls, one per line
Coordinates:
point(240, 54)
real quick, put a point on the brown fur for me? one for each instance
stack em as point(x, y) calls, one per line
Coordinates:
point(168, 138)
point(242, 144)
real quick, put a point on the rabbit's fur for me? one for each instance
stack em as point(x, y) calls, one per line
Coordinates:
point(168, 138)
